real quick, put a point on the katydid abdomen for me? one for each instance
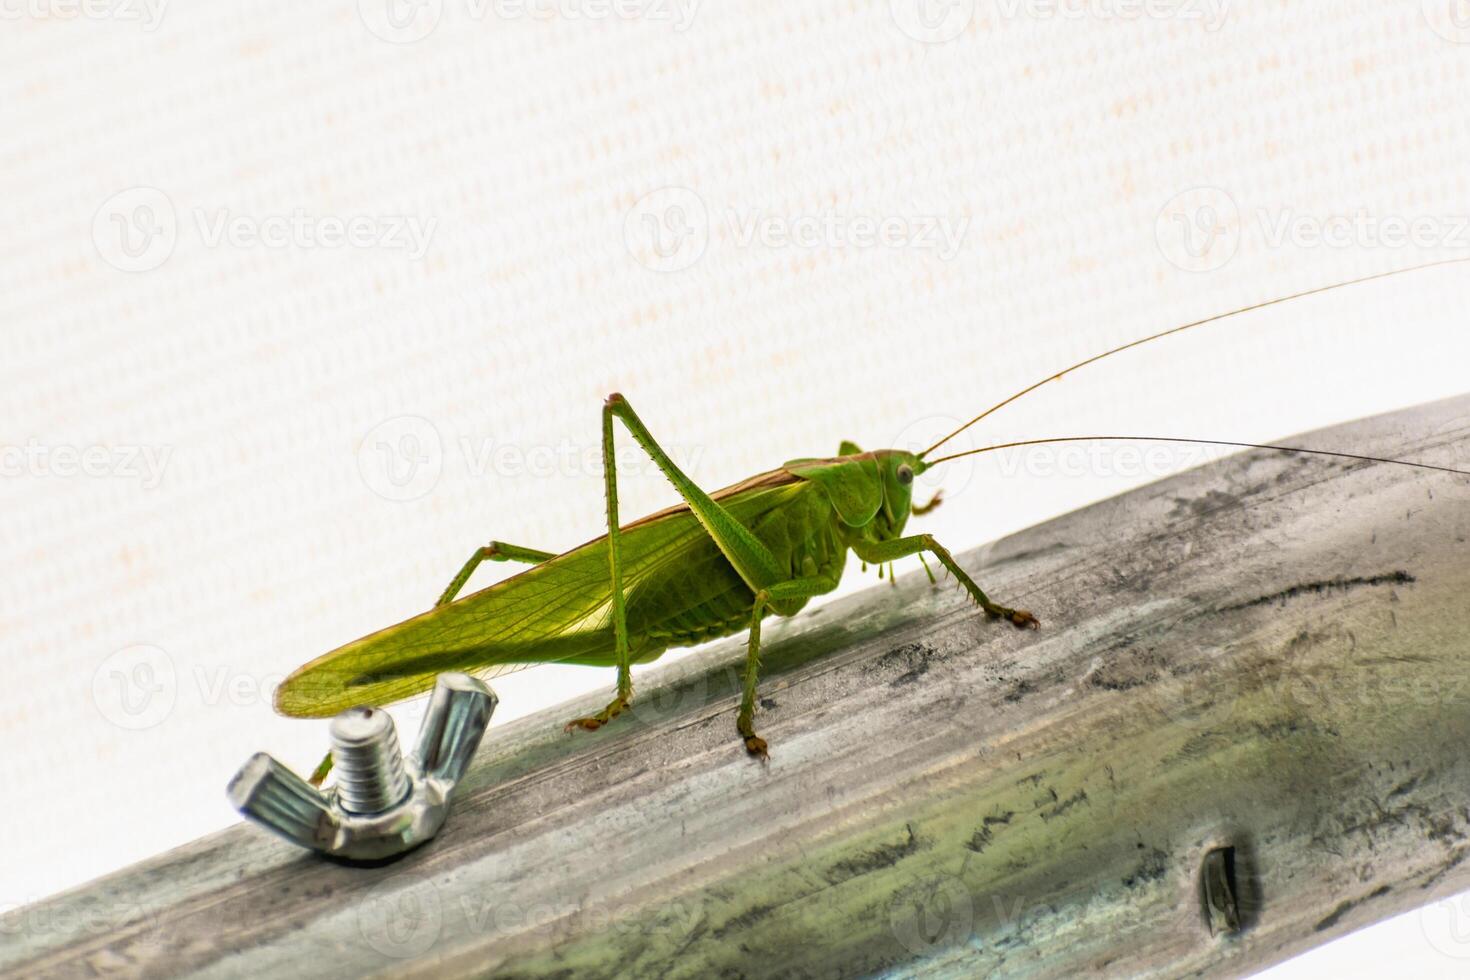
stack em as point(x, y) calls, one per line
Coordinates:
point(683, 591)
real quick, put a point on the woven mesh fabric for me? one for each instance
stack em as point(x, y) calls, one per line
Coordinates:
point(301, 303)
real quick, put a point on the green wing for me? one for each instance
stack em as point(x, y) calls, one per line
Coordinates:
point(557, 612)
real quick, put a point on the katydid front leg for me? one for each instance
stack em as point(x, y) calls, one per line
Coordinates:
point(750, 558)
point(881, 551)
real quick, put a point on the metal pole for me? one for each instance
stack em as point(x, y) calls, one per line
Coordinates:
point(1240, 732)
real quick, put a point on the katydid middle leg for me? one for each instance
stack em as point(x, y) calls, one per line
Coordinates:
point(751, 559)
point(881, 551)
point(494, 551)
point(792, 591)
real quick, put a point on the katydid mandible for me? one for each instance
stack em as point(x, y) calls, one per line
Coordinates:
point(712, 566)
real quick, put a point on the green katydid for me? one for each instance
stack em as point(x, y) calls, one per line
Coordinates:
point(712, 566)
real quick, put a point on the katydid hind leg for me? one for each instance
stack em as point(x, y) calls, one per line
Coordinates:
point(615, 576)
point(494, 551)
point(881, 551)
point(751, 559)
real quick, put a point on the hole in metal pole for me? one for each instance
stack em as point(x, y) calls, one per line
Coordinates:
point(1219, 891)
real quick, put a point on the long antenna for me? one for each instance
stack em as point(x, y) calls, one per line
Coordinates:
point(1188, 326)
point(1199, 442)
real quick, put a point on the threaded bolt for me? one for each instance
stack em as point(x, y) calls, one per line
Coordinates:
point(367, 760)
point(383, 804)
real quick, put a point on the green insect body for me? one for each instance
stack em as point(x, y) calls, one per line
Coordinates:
point(710, 567)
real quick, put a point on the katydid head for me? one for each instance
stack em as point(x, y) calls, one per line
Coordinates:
point(896, 471)
point(872, 492)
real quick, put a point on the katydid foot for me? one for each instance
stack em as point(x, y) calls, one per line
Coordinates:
point(1019, 617)
point(598, 720)
point(754, 744)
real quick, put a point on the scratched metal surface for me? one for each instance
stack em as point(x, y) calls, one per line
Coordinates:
point(1271, 653)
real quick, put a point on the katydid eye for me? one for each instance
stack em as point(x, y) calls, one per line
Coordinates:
point(905, 474)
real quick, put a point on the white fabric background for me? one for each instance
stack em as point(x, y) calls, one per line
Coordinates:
point(143, 620)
